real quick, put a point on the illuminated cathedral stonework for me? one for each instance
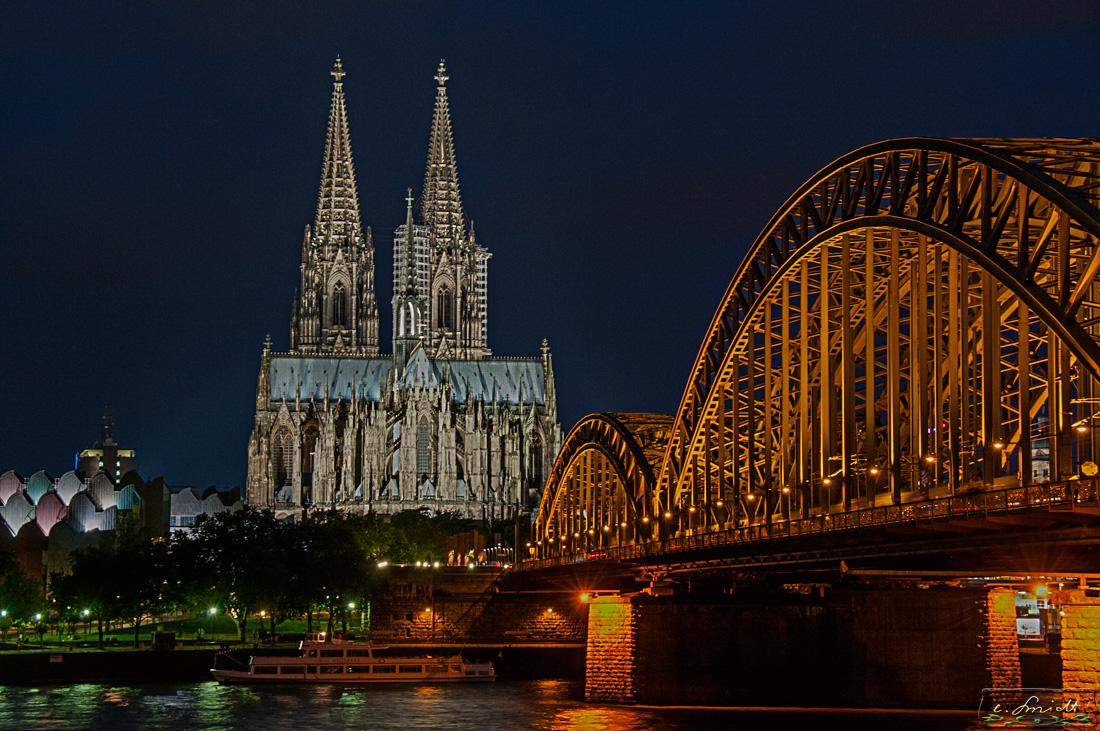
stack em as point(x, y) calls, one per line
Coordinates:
point(441, 423)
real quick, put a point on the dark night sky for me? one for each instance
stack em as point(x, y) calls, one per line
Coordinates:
point(158, 162)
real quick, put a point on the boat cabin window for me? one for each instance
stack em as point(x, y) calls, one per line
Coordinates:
point(264, 670)
point(437, 668)
point(456, 668)
point(384, 669)
point(332, 653)
point(313, 653)
point(332, 669)
point(358, 668)
point(311, 669)
point(358, 653)
point(410, 668)
point(291, 670)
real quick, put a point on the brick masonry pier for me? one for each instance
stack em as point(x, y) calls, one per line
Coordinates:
point(896, 647)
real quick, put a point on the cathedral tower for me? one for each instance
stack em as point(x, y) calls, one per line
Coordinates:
point(451, 268)
point(335, 309)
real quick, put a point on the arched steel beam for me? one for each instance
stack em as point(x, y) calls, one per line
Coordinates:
point(865, 203)
point(609, 436)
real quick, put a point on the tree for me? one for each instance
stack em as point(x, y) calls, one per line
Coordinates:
point(20, 595)
point(427, 534)
point(124, 577)
point(337, 558)
point(238, 561)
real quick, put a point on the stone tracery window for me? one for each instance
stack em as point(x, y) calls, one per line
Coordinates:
point(282, 456)
point(339, 305)
point(423, 448)
point(444, 307)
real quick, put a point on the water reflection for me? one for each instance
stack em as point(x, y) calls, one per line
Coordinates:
point(551, 705)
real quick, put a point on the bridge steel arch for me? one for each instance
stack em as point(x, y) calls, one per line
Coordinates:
point(921, 318)
point(600, 482)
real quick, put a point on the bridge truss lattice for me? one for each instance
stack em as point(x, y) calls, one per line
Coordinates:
point(920, 319)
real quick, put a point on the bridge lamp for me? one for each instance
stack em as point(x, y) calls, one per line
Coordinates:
point(825, 481)
point(786, 489)
point(584, 597)
point(750, 496)
point(930, 458)
point(623, 524)
point(591, 532)
point(606, 528)
point(576, 535)
point(719, 503)
point(668, 514)
point(551, 540)
point(645, 519)
point(691, 509)
point(529, 543)
point(998, 445)
point(1040, 591)
point(874, 470)
point(1082, 428)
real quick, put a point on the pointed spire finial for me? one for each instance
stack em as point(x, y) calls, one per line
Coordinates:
point(337, 219)
point(267, 343)
point(409, 198)
point(440, 74)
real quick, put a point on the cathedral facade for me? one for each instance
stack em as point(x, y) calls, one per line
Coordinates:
point(440, 423)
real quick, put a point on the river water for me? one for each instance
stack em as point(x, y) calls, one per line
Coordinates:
point(538, 704)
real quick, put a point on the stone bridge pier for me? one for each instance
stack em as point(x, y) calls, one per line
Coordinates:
point(819, 646)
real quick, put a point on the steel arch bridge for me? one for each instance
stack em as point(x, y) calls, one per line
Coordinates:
point(920, 321)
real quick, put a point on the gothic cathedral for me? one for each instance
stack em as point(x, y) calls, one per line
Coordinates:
point(441, 423)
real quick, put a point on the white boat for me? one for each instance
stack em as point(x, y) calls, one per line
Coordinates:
point(335, 660)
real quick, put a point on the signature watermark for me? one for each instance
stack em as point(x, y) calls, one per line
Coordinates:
point(1068, 708)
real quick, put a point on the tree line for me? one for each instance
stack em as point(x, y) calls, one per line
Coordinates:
point(238, 563)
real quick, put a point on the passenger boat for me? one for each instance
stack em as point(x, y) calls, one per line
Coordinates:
point(335, 660)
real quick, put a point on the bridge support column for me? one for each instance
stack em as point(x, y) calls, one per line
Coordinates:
point(610, 664)
point(999, 639)
point(840, 647)
point(1080, 640)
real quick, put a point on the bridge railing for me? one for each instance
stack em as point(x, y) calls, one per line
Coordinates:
point(1048, 497)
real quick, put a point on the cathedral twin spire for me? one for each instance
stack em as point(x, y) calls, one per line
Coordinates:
point(445, 303)
point(441, 206)
point(338, 200)
point(335, 310)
